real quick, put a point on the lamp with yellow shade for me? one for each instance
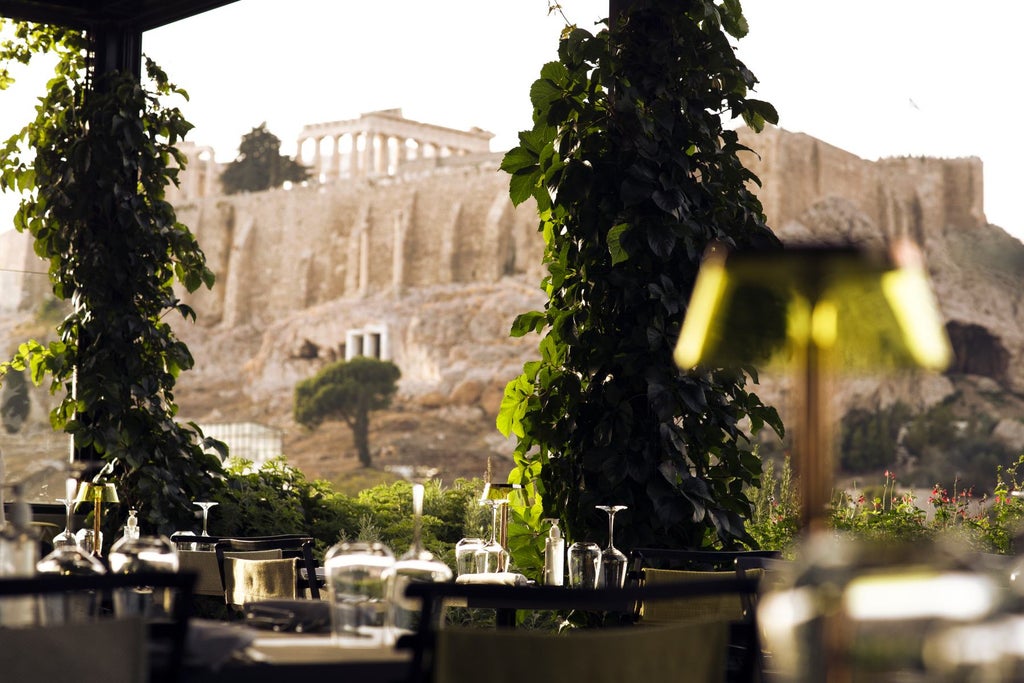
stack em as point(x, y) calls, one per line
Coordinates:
point(819, 309)
point(97, 494)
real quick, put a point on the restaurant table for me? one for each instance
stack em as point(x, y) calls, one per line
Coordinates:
point(285, 657)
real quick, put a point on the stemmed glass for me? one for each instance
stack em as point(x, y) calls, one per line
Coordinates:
point(613, 560)
point(67, 537)
point(205, 505)
point(492, 557)
point(417, 565)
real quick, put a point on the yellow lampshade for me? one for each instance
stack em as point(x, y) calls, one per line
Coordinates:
point(862, 309)
point(90, 492)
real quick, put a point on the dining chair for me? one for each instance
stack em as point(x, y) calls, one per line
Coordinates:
point(653, 566)
point(255, 577)
point(685, 651)
point(694, 650)
point(135, 630)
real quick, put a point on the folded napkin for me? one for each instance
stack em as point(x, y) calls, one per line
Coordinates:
point(503, 578)
point(211, 644)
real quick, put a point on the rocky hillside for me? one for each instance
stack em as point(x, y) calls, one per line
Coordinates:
point(284, 307)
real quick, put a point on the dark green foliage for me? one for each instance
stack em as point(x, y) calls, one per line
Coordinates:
point(634, 175)
point(348, 390)
point(869, 439)
point(14, 402)
point(98, 164)
point(954, 450)
point(260, 164)
point(278, 499)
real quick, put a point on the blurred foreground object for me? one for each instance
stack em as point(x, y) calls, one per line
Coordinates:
point(819, 309)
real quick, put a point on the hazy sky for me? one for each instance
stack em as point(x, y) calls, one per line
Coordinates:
point(875, 77)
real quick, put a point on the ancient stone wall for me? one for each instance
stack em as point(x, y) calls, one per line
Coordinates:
point(914, 197)
point(286, 250)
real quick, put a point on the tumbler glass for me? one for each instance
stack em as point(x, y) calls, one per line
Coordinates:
point(584, 565)
point(357, 591)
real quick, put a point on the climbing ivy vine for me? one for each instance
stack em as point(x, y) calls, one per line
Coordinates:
point(634, 173)
point(94, 165)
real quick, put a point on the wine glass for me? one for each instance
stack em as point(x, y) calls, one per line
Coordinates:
point(417, 565)
point(205, 505)
point(492, 556)
point(613, 560)
point(131, 554)
point(72, 606)
point(67, 537)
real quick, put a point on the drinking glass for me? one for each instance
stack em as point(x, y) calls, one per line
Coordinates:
point(357, 592)
point(86, 540)
point(584, 565)
point(205, 505)
point(492, 556)
point(417, 565)
point(465, 554)
point(613, 560)
point(70, 560)
point(143, 554)
point(66, 537)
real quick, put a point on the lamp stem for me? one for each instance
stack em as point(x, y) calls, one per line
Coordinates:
point(814, 453)
point(96, 505)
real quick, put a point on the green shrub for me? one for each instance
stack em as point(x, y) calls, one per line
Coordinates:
point(277, 499)
point(869, 439)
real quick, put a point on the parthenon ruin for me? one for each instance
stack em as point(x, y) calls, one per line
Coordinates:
point(378, 143)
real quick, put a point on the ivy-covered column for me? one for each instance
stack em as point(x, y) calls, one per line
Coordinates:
point(631, 189)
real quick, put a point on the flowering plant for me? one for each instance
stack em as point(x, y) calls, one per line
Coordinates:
point(986, 524)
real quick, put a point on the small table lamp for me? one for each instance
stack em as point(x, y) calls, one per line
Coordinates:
point(818, 309)
point(98, 494)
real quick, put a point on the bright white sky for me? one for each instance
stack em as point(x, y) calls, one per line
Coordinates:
point(877, 78)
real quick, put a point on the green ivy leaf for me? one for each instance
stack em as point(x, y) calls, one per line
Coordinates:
point(615, 248)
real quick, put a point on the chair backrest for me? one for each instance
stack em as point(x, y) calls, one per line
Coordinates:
point(289, 545)
point(652, 566)
point(134, 623)
point(693, 560)
point(685, 651)
point(428, 643)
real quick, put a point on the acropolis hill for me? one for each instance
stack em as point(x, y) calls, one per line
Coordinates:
point(414, 252)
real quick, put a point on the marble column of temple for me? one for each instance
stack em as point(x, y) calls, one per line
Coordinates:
point(379, 143)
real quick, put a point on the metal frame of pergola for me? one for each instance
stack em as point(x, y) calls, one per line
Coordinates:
point(116, 26)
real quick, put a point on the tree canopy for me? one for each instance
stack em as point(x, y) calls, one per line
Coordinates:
point(260, 164)
point(348, 390)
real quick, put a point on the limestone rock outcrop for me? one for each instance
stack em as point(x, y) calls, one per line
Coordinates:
point(430, 269)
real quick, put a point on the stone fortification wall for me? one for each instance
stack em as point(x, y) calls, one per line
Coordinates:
point(911, 197)
point(286, 250)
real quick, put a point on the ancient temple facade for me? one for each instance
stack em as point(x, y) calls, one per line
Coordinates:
point(381, 143)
